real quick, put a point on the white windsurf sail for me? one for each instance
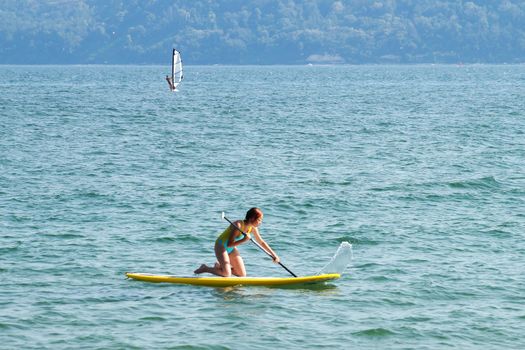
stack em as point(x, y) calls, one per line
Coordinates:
point(176, 69)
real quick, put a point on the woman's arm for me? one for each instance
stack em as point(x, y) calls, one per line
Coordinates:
point(236, 233)
point(265, 245)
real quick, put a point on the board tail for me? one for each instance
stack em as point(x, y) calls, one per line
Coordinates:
point(339, 262)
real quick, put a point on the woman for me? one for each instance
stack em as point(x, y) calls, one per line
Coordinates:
point(229, 261)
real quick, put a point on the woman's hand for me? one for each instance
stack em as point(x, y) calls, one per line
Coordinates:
point(276, 259)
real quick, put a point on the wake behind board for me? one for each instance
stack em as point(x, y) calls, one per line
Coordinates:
point(232, 281)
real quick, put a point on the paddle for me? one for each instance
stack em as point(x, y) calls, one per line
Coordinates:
point(257, 244)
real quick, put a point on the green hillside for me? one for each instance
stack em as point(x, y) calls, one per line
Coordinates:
point(262, 31)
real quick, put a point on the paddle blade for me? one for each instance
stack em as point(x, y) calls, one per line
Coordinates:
point(222, 216)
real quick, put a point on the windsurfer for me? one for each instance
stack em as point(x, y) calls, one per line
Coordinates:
point(170, 82)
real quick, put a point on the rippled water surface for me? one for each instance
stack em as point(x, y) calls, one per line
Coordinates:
point(421, 168)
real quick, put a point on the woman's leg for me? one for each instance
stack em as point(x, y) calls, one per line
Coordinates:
point(238, 268)
point(222, 267)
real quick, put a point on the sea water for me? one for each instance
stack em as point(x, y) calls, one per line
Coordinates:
point(103, 170)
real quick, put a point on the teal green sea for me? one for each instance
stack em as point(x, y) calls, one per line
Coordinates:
point(422, 168)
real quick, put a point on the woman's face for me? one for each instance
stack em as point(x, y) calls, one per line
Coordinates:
point(257, 221)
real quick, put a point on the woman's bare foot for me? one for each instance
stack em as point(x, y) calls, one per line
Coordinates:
point(201, 269)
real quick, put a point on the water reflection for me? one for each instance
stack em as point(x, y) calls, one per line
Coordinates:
point(251, 292)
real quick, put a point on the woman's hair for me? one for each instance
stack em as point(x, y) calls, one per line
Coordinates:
point(253, 214)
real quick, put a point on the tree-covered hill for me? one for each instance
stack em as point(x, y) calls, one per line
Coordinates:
point(262, 31)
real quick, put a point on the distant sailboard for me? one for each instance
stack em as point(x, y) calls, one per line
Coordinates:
point(176, 71)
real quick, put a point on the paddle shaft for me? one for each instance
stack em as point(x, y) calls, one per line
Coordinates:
point(258, 245)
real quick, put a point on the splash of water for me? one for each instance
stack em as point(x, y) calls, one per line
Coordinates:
point(340, 260)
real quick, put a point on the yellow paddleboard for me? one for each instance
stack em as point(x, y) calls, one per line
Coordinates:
point(232, 281)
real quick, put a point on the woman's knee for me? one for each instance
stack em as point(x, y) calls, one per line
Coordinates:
point(226, 270)
point(238, 268)
point(239, 273)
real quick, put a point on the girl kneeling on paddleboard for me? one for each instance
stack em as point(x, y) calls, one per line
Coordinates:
point(229, 261)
